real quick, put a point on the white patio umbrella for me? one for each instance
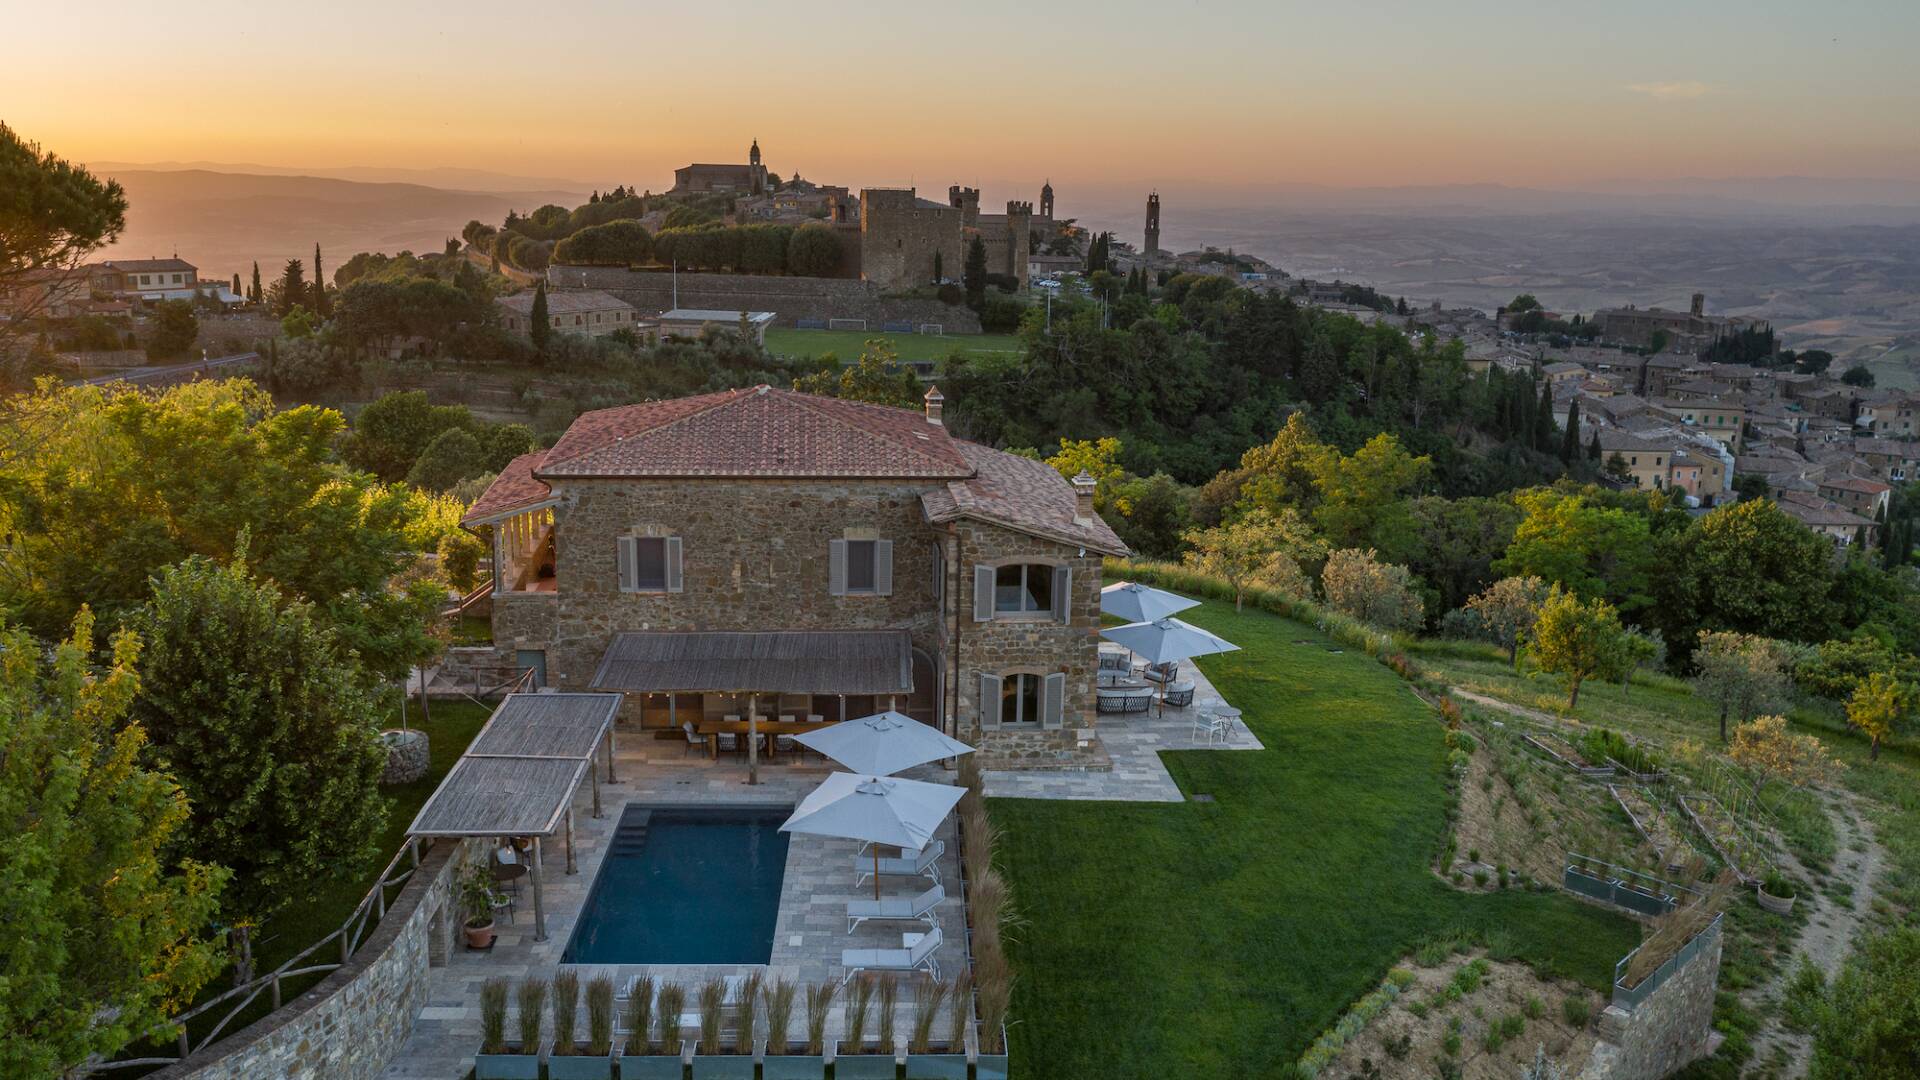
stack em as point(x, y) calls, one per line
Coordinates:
point(882, 744)
point(1135, 602)
point(877, 809)
point(1167, 639)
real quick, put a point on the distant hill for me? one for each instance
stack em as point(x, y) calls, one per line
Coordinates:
point(222, 222)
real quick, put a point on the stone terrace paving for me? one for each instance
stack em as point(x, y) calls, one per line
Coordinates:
point(810, 929)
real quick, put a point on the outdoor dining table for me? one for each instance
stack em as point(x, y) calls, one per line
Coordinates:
point(712, 729)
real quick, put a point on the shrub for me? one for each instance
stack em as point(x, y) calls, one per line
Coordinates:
point(666, 1020)
point(819, 1004)
point(599, 1016)
point(640, 1017)
point(713, 998)
point(1576, 1010)
point(928, 996)
point(533, 1001)
point(566, 1001)
point(857, 1010)
point(779, 996)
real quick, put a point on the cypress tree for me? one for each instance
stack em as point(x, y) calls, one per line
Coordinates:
point(538, 327)
point(1593, 447)
point(257, 292)
point(236, 284)
point(1543, 420)
point(319, 285)
point(1570, 445)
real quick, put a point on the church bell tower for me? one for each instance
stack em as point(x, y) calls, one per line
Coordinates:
point(1153, 225)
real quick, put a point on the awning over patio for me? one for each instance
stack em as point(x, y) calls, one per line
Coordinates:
point(785, 661)
point(519, 775)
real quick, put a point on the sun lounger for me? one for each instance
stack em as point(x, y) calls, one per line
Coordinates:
point(895, 909)
point(927, 864)
point(915, 952)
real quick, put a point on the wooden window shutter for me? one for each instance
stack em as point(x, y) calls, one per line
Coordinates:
point(836, 568)
point(629, 559)
point(883, 567)
point(675, 578)
point(983, 594)
point(1053, 700)
point(1063, 593)
point(939, 578)
point(989, 702)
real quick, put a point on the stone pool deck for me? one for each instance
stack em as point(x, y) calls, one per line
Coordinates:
point(1134, 742)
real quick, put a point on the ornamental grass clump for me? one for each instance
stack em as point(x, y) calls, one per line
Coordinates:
point(533, 1003)
point(778, 998)
point(819, 1004)
point(566, 999)
point(640, 1017)
point(889, 1004)
point(749, 1014)
point(857, 1009)
point(713, 1015)
point(928, 995)
point(600, 1016)
point(493, 1016)
point(673, 1000)
point(959, 1012)
point(1672, 931)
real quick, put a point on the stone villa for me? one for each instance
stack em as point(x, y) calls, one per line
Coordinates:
point(583, 312)
point(804, 556)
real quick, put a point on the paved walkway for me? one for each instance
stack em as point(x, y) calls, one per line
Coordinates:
point(1134, 742)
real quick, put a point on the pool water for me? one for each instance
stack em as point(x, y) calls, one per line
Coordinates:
point(685, 886)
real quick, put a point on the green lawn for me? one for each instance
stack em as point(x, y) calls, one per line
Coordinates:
point(1218, 939)
point(847, 344)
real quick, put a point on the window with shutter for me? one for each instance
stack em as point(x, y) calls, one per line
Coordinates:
point(1063, 593)
point(1053, 700)
point(624, 554)
point(675, 572)
point(983, 594)
point(990, 691)
point(836, 568)
point(883, 567)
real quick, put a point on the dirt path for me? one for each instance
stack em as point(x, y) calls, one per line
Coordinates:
point(1831, 928)
point(1507, 707)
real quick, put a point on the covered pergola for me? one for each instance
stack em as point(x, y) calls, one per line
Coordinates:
point(520, 774)
point(877, 663)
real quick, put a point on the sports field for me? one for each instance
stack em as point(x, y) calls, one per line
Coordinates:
point(847, 344)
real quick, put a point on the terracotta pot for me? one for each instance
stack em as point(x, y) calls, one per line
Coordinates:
point(479, 937)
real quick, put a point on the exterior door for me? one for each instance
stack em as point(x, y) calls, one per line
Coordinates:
point(535, 659)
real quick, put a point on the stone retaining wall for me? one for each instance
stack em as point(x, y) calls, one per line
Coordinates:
point(789, 298)
point(1666, 1029)
point(354, 1020)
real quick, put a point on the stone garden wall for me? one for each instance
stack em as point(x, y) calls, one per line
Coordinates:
point(1667, 1028)
point(354, 1020)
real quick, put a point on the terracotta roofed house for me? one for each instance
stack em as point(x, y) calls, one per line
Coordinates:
point(655, 544)
point(584, 312)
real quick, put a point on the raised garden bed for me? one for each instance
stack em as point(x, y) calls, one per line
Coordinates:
point(1723, 835)
point(1654, 826)
point(1619, 886)
point(1566, 754)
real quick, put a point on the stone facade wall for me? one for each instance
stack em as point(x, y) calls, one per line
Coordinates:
point(1668, 1028)
point(754, 556)
point(354, 1020)
point(789, 298)
point(899, 238)
point(1027, 645)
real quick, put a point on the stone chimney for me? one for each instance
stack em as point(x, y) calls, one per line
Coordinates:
point(1083, 486)
point(935, 399)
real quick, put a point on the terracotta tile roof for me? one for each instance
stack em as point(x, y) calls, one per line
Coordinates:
point(759, 431)
point(565, 302)
point(1022, 494)
point(514, 487)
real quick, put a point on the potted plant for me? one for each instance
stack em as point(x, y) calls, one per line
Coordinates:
point(853, 1059)
point(923, 1061)
point(661, 1056)
point(995, 991)
point(784, 1059)
point(476, 897)
point(570, 1060)
point(1776, 893)
point(493, 1029)
point(710, 1062)
point(521, 1062)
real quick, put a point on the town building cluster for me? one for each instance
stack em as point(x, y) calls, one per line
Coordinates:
point(111, 287)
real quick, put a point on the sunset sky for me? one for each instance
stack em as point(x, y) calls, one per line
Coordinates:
point(1112, 93)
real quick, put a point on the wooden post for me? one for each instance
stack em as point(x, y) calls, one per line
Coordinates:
point(753, 739)
point(593, 777)
point(610, 776)
point(426, 713)
point(539, 909)
point(571, 869)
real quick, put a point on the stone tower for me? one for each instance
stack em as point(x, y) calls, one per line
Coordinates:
point(1153, 226)
point(759, 171)
point(1046, 200)
point(967, 201)
point(1699, 306)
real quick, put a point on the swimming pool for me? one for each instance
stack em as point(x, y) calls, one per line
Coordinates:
point(685, 885)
